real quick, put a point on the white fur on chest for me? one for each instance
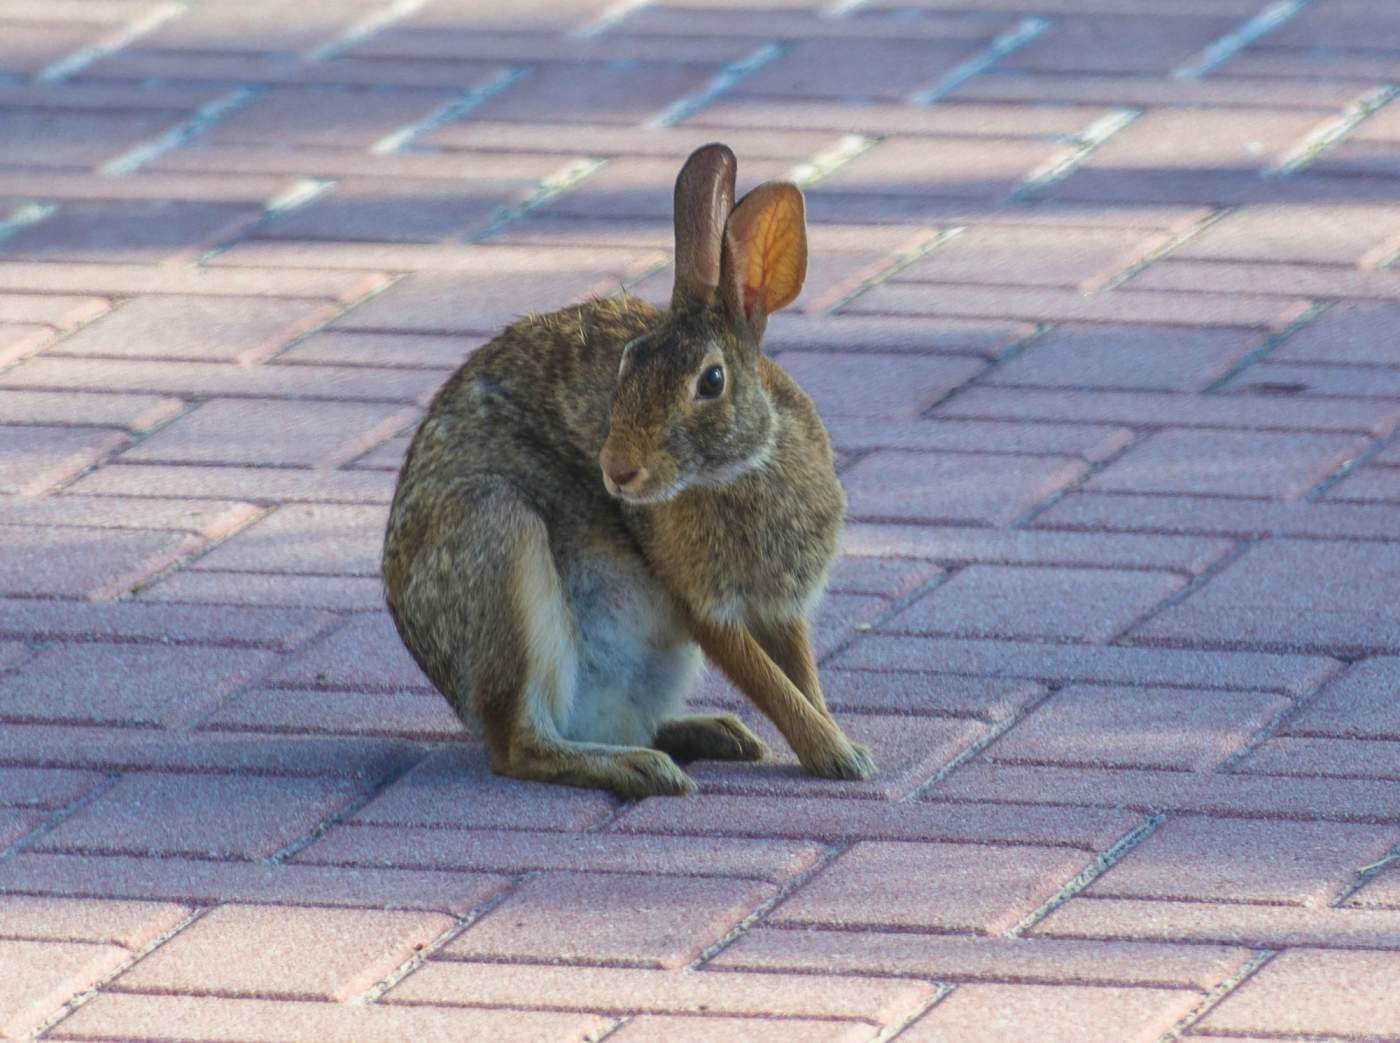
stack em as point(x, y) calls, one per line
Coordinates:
point(635, 662)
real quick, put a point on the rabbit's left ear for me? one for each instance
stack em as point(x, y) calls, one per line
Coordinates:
point(765, 251)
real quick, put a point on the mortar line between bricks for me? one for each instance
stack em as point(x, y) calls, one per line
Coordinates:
point(787, 887)
point(1271, 727)
point(547, 190)
point(1229, 45)
point(143, 25)
point(1170, 245)
point(376, 991)
point(1311, 314)
point(1011, 40)
point(301, 192)
point(24, 216)
point(362, 29)
point(449, 112)
point(91, 993)
point(683, 108)
point(606, 19)
point(900, 261)
point(388, 283)
point(894, 608)
point(1013, 350)
point(133, 439)
point(1322, 488)
point(1085, 144)
point(187, 130)
point(1195, 583)
point(63, 335)
point(287, 851)
point(1216, 995)
point(1101, 864)
point(976, 748)
point(1330, 133)
point(207, 546)
point(942, 990)
point(819, 166)
point(1364, 876)
point(61, 815)
point(1096, 467)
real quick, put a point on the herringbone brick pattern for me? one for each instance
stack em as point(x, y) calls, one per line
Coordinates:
point(1102, 315)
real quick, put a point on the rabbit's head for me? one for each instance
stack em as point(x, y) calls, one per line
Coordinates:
point(690, 407)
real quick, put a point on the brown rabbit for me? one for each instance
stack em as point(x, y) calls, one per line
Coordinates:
point(601, 492)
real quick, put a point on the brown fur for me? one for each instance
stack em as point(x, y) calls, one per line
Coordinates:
point(560, 612)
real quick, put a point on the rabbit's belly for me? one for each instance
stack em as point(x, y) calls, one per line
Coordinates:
point(635, 661)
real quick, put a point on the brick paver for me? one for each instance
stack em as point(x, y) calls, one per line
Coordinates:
point(1100, 314)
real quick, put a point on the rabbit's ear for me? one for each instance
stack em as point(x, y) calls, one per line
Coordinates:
point(704, 199)
point(765, 252)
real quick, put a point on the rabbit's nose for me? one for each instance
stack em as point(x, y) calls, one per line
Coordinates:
point(621, 479)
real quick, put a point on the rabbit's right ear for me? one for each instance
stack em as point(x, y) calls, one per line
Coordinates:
point(704, 199)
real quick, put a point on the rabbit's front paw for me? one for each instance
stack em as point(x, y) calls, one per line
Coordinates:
point(648, 773)
point(841, 759)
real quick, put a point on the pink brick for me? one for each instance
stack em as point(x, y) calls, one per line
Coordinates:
point(205, 816)
point(130, 685)
point(1151, 409)
point(1335, 234)
point(206, 329)
point(1335, 381)
point(365, 653)
point(40, 788)
point(370, 209)
point(1131, 357)
point(42, 976)
point(873, 117)
point(83, 139)
point(1359, 704)
point(1230, 277)
point(1199, 859)
point(1138, 728)
point(1070, 257)
point(1245, 796)
point(1199, 305)
point(28, 48)
point(751, 1030)
point(1098, 513)
point(981, 889)
point(641, 187)
point(643, 921)
point(1345, 758)
point(1064, 1014)
point(885, 577)
point(20, 339)
point(306, 433)
point(419, 351)
point(431, 795)
point(335, 593)
point(839, 821)
point(100, 564)
point(889, 334)
point(121, 621)
point(132, 232)
point(1368, 485)
point(845, 68)
point(252, 482)
point(387, 456)
point(877, 385)
point(1291, 674)
point(260, 883)
point(1089, 43)
point(323, 539)
point(288, 711)
point(15, 825)
point(960, 958)
point(1091, 441)
point(323, 118)
point(1022, 547)
point(981, 489)
point(907, 750)
point(1074, 604)
point(963, 168)
point(128, 924)
point(1241, 605)
point(625, 93)
point(210, 518)
point(210, 1019)
point(130, 280)
point(34, 459)
point(1228, 923)
point(516, 851)
point(1228, 463)
point(282, 951)
point(1381, 892)
point(651, 991)
point(135, 412)
point(574, 139)
point(1284, 998)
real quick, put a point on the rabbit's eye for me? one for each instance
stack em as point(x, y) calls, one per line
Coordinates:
point(711, 382)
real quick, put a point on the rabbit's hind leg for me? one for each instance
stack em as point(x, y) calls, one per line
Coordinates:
point(716, 737)
point(531, 746)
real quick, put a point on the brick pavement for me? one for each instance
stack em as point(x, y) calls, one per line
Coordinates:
point(1102, 316)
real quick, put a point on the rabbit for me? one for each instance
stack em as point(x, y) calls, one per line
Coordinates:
point(600, 493)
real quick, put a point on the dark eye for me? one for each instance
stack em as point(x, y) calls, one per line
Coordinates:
point(711, 382)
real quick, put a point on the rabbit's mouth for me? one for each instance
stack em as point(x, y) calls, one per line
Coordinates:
point(637, 492)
